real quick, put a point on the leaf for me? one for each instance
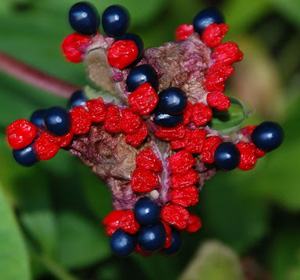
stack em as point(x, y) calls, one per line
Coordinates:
point(231, 119)
point(289, 9)
point(14, 263)
point(80, 242)
point(214, 261)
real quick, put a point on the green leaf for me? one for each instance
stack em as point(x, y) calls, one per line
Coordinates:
point(231, 119)
point(14, 263)
point(289, 9)
point(81, 243)
point(214, 261)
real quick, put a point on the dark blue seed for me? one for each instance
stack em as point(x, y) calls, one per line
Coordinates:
point(167, 120)
point(115, 20)
point(147, 212)
point(205, 18)
point(84, 18)
point(57, 121)
point(25, 156)
point(122, 244)
point(172, 101)
point(138, 41)
point(37, 118)
point(142, 74)
point(227, 156)
point(78, 98)
point(152, 239)
point(176, 244)
point(268, 136)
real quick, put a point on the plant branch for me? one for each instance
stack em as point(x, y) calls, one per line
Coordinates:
point(34, 77)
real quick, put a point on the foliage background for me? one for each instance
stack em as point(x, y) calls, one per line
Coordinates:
point(51, 214)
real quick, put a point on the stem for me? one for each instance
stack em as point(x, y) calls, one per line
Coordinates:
point(27, 74)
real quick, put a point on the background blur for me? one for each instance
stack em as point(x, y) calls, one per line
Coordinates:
point(50, 214)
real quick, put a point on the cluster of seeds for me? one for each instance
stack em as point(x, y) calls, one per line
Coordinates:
point(163, 186)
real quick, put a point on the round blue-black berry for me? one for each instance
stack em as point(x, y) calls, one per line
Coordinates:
point(167, 120)
point(78, 98)
point(57, 121)
point(84, 18)
point(172, 101)
point(227, 156)
point(37, 118)
point(142, 74)
point(146, 212)
point(25, 156)
point(152, 239)
point(115, 20)
point(176, 244)
point(122, 244)
point(205, 18)
point(268, 136)
point(137, 40)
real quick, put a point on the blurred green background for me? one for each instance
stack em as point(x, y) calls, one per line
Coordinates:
point(50, 214)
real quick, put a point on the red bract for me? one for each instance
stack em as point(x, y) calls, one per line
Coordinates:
point(181, 162)
point(248, 157)
point(210, 145)
point(112, 221)
point(143, 100)
point(143, 180)
point(128, 222)
point(213, 35)
point(137, 138)
point(74, 46)
point(201, 114)
point(122, 53)
point(186, 196)
point(175, 215)
point(96, 108)
point(194, 141)
point(45, 147)
point(81, 120)
point(112, 121)
point(183, 31)
point(187, 114)
point(169, 235)
point(218, 100)
point(216, 77)
point(227, 53)
point(172, 133)
point(20, 134)
point(148, 160)
point(190, 177)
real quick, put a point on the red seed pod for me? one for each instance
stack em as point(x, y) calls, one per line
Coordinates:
point(248, 129)
point(186, 196)
point(45, 147)
point(217, 75)
point(181, 162)
point(180, 143)
point(144, 99)
point(96, 108)
point(210, 145)
point(20, 134)
point(81, 120)
point(148, 160)
point(194, 142)
point(248, 157)
point(112, 121)
point(188, 113)
point(112, 221)
point(74, 46)
point(130, 122)
point(175, 215)
point(259, 153)
point(218, 100)
point(190, 177)
point(143, 180)
point(194, 223)
point(183, 31)
point(168, 229)
point(61, 141)
point(122, 53)
point(171, 133)
point(137, 138)
point(201, 114)
point(227, 53)
point(213, 35)
point(128, 222)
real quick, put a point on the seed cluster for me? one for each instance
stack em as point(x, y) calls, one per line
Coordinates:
point(163, 185)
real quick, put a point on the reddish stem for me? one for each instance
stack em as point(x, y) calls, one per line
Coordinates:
point(27, 74)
